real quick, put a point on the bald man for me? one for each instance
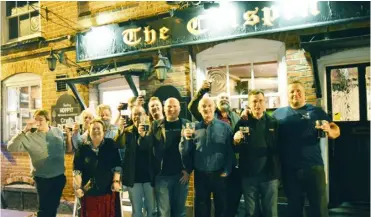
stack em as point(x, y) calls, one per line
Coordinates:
point(171, 182)
point(224, 113)
point(302, 164)
point(209, 149)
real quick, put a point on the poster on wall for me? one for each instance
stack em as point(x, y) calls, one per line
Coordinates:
point(65, 112)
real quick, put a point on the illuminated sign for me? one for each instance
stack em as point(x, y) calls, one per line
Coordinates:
point(230, 20)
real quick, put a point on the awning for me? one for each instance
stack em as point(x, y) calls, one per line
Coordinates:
point(126, 71)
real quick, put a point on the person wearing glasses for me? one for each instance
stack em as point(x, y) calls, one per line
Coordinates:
point(255, 140)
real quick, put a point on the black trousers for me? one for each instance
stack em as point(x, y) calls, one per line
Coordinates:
point(234, 192)
point(49, 192)
point(309, 182)
point(205, 184)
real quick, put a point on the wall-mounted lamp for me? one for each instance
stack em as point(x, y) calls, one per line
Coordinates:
point(162, 67)
point(53, 57)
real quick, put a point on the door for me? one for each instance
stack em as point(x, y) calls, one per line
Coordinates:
point(348, 100)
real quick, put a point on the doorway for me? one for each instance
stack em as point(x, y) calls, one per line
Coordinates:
point(348, 103)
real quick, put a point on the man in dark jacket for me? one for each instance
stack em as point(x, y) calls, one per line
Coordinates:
point(224, 113)
point(209, 149)
point(137, 166)
point(171, 182)
point(256, 141)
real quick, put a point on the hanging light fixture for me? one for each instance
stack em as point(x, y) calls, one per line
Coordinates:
point(162, 67)
point(52, 59)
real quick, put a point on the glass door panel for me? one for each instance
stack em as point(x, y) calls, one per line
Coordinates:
point(368, 92)
point(345, 94)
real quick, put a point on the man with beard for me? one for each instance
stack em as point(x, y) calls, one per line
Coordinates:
point(223, 113)
point(302, 164)
point(171, 182)
point(208, 149)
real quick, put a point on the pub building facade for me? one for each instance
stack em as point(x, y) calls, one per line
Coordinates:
point(70, 56)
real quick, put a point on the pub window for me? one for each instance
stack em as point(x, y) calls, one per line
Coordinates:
point(21, 20)
point(238, 79)
point(22, 96)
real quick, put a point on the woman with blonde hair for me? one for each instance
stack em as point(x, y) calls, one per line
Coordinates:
point(104, 113)
point(80, 131)
point(46, 146)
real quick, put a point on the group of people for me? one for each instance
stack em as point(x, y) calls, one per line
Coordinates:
point(230, 154)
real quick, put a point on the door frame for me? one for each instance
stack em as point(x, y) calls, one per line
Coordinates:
point(361, 84)
point(351, 56)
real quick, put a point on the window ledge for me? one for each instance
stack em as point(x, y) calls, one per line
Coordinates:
point(36, 37)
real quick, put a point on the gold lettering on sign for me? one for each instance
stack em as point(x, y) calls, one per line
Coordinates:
point(251, 17)
point(270, 15)
point(149, 35)
point(130, 36)
point(163, 32)
point(194, 25)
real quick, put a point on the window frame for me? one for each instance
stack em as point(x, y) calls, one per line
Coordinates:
point(5, 23)
point(17, 81)
point(251, 81)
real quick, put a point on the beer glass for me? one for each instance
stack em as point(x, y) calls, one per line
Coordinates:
point(320, 132)
point(144, 120)
point(33, 126)
point(191, 126)
point(142, 93)
point(246, 132)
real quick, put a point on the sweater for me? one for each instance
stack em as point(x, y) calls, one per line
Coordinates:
point(46, 151)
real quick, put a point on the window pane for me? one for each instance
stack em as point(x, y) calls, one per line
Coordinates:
point(35, 97)
point(13, 123)
point(13, 28)
point(24, 23)
point(24, 97)
point(345, 94)
point(238, 103)
point(34, 22)
point(265, 75)
point(239, 79)
point(13, 103)
point(368, 92)
point(10, 8)
point(218, 75)
point(21, 5)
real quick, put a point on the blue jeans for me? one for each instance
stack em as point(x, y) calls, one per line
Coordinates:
point(137, 194)
point(171, 196)
point(254, 188)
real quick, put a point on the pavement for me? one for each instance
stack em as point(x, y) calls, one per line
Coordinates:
point(65, 210)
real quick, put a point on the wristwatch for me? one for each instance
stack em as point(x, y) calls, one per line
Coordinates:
point(114, 181)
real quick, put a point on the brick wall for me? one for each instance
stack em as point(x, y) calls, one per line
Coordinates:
point(60, 19)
